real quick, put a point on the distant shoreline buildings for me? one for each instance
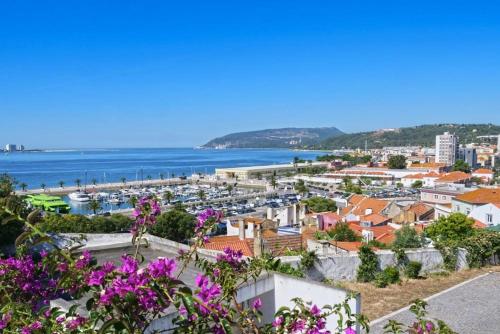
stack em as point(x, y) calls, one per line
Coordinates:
point(12, 148)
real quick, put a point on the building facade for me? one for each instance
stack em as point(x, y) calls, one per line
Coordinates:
point(468, 155)
point(446, 148)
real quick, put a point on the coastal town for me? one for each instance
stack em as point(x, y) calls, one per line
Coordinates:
point(249, 167)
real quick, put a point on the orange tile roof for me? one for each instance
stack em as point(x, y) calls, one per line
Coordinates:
point(483, 171)
point(355, 199)
point(375, 218)
point(350, 246)
point(481, 196)
point(219, 243)
point(419, 208)
point(478, 224)
point(377, 205)
point(378, 231)
point(414, 176)
point(456, 176)
point(428, 165)
point(386, 238)
point(433, 174)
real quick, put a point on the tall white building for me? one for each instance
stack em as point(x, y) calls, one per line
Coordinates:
point(10, 147)
point(446, 148)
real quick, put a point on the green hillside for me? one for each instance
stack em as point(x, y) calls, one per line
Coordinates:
point(422, 135)
point(275, 138)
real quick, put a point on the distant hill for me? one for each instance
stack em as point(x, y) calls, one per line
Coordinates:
point(275, 138)
point(422, 135)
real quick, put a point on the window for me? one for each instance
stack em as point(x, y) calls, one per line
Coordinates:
point(443, 197)
point(457, 208)
point(436, 196)
point(489, 218)
point(468, 211)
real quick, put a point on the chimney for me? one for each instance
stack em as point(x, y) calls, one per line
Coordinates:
point(368, 211)
point(241, 226)
point(258, 244)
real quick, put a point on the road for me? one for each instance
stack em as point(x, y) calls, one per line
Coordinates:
point(470, 307)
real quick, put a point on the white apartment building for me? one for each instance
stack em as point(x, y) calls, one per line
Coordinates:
point(446, 148)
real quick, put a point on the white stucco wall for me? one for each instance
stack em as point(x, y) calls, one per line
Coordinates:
point(481, 213)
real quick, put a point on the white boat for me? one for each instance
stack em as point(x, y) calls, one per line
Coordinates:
point(79, 197)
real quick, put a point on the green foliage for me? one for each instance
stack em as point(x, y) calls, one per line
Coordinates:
point(417, 184)
point(369, 264)
point(349, 186)
point(320, 204)
point(307, 259)
point(347, 157)
point(407, 237)
point(481, 247)
point(422, 135)
point(397, 162)
point(461, 166)
point(300, 187)
point(11, 228)
point(342, 232)
point(6, 185)
point(456, 226)
point(175, 224)
point(389, 275)
point(71, 223)
point(313, 170)
point(412, 269)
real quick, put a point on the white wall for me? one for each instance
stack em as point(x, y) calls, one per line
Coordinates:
point(480, 213)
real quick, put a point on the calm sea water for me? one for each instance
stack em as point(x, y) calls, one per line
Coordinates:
point(110, 165)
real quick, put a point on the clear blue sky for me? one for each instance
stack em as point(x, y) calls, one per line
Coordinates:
point(164, 73)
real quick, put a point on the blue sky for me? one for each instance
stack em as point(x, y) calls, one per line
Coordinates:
point(165, 73)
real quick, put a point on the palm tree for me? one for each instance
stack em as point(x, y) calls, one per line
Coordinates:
point(168, 196)
point(273, 181)
point(124, 180)
point(201, 194)
point(94, 205)
point(173, 175)
point(23, 186)
point(78, 182)
point(161, 176)
point(229, 188)
point(132, 201)
point(149, 177)
point(43, 185)
point(94, 182)
point(61, 184)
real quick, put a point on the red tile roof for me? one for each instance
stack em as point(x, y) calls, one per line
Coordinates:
point(453, 177)
point(483, 171)
point(481, 196)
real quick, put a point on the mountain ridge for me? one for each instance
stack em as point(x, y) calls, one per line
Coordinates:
point(291, 137)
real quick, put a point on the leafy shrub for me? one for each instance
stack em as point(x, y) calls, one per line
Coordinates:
point(412, 269)
point(81, 224)
point(176, 224)
point(389, 275)
point(320, 204)
point(369, 264)
point(481, 247)
point(407, 237)
point(342, 232)
point(307, 259)
point(456, 226)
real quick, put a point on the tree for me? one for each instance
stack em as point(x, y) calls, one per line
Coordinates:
point(162, 176)
point(133, 201)
point(397, 162)
point(342, 232)
point(149, 177)
point(369, 264)
point(23, 186)
point(273, 182)
point(320, 204)
point(43, 185)
point(175, 224)
point(407, 237)
point(461, 166)
point(6, 185)
point(259, 176)
point(201, 194)
point(417, 184)
point(168, 196)
point(94, 182)
point(300, 187)
point(124, 180)
point(455, 227)
point(78, 182)
point(94, 205)
point(229, 188)
point(61, 184)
